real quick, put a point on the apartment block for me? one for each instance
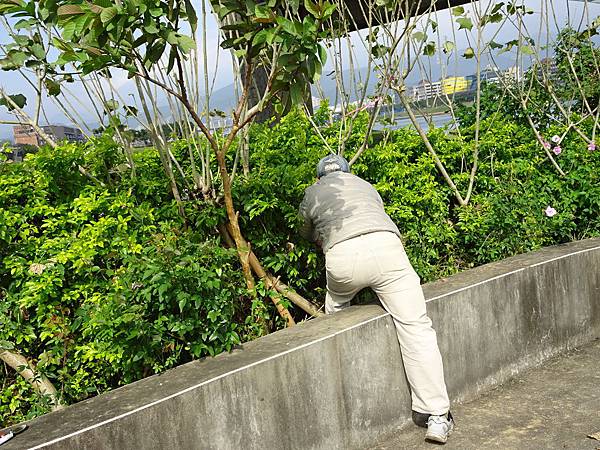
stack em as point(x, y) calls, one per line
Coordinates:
point(26, 134)
point(426, 89)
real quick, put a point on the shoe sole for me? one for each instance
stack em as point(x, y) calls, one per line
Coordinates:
point(436, 438)
point(6, 438)
point(440, 439)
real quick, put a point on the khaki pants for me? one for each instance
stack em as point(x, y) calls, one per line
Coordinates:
point(378, 260)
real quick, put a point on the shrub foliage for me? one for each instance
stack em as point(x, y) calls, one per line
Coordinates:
point(101, 285)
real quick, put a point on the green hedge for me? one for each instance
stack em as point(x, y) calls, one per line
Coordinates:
point(101, 286)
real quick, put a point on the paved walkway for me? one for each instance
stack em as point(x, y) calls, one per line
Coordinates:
point(552, 407)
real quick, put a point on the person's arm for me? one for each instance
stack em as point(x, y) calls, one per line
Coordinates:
point(306, 229)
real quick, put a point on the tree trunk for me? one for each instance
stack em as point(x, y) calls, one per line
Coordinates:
point(27, 370)
point(225, 231)
point(240, 244)
point(272, 282)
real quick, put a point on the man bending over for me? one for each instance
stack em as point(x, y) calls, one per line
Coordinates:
point(362, 249)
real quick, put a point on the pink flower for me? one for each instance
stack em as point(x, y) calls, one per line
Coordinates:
point(546, 145)
point(556, 138)
point(550, 211)
point(592, 146)
point(557, 150)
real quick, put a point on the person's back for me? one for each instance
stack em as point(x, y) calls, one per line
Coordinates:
point(341, 206)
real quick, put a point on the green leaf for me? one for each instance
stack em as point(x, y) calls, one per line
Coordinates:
point(191, 15)
point(379, 51)
point(419, 36)
point(313, 69)
point(469, 53)
point(296, 94)
point(294, 4)
point(429, 49)
point(151, 28)
point(182, 303)
point(6, 345)
point(228, 43)
point(495, 18)
point(262, 36)
point(111, 105)
point(19, 99)
point(108, 14)
point(38, 51)
point(7, 64)
point(527, 50)
point(172, 38)
point(155, 12)
point(465, 23)
point(172, 57)
point(68, 30)
point(186, 43)
point(69, 10)
point(155, 51)
point(494, 45)
point(18, 58)
point(33, 63)
point(448, 47)
point(509, 45)
point(287, 25)
point(328, 11)
point(23, 24)
point(458, 11)
point(322, 55)
point(52, 87)
point(497, 7)
point(21, 39)
point(312, 8)
point(262, 12)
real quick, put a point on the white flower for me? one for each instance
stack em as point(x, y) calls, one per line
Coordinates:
point(550, 211)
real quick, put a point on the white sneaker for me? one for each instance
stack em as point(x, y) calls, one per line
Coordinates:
point(439, 428)
point(5, 436)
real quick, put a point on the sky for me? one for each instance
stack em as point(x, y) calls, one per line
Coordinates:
point(221, 75)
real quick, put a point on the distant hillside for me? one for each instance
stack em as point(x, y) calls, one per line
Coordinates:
point(224, 98)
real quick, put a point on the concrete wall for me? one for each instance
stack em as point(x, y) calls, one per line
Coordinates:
point(337, 382)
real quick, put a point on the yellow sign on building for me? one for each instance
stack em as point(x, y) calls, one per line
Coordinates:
point(451, 85)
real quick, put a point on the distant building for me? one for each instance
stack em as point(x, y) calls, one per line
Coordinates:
point(490, 74)
point(26, 134)
point(426, 89)
point(471, 82)
point(513, 73)
point(453, 85)
point(547, 67)
point(16, 154)
point(494, 75)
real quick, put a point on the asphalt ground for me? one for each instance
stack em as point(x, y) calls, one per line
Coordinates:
point(555, 406)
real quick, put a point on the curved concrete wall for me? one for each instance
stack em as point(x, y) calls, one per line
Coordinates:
point(337, 382)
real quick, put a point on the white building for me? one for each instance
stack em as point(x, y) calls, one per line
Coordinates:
point(426, 89)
